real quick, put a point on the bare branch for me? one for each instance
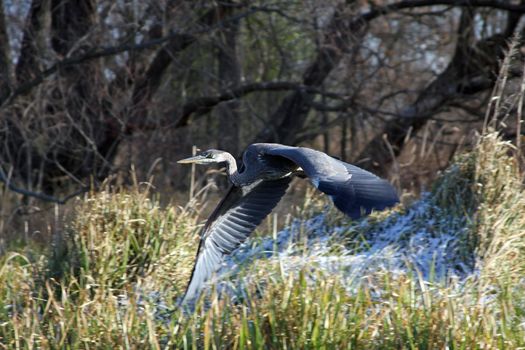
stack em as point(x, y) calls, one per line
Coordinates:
point(202, 105)
point(145, 88)
point(469, 72)
point(175, 37)
point(38, 195)
point(97, 53)
point(178, 36)
point(407, 4)
point(292, 113)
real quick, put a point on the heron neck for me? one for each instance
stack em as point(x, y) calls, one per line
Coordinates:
point(231, 168)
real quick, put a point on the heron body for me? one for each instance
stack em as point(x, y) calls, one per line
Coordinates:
point(259, 184)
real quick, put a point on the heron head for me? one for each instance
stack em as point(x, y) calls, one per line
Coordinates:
point(206, 157)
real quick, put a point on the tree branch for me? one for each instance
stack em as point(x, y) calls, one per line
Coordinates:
point(291, 114)
point(71, 61)
point(145, 88)
point(202, 105)
point(407, 4)
point(470, 71)
point(111, 51)
point(38, 195)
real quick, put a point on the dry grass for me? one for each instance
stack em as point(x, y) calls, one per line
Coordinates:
point(124, 261)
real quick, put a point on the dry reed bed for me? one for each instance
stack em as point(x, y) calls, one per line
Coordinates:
point(114, 277)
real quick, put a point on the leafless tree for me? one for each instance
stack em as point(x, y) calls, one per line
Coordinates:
point(86, 79)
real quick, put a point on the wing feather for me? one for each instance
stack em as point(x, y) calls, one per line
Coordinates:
point(353, 190)
point(234, 219)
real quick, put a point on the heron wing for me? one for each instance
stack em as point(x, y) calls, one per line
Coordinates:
point(353, 190)
point(234, 219)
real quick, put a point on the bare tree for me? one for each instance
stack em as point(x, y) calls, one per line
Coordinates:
point(472, 69)
point(90, 75)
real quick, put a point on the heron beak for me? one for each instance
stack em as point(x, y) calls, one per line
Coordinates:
point(196, 160)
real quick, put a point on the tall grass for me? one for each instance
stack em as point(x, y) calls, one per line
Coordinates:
point(125, 260)
point(118, 237)
point(80, 293)
point(500, 219)
point(486, 186)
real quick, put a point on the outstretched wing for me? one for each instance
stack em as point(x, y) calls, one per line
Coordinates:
point(234, 219)
point(353, 190)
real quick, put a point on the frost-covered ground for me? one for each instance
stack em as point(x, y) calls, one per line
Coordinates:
point(422, 240)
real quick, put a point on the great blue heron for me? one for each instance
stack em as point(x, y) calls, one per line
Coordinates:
point(259, 184)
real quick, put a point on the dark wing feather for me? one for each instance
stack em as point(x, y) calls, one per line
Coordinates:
point(234, 219)
point(353, 190)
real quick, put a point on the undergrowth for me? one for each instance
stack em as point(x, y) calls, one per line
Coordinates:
point(116, 278)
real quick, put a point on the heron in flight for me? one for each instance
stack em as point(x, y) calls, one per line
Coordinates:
point(258, 185)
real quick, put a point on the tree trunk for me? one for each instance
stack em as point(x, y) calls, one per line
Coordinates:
point(84, 101)
point(5, 57)
point(290, 117)
point(229, 72)
point(33, 42)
